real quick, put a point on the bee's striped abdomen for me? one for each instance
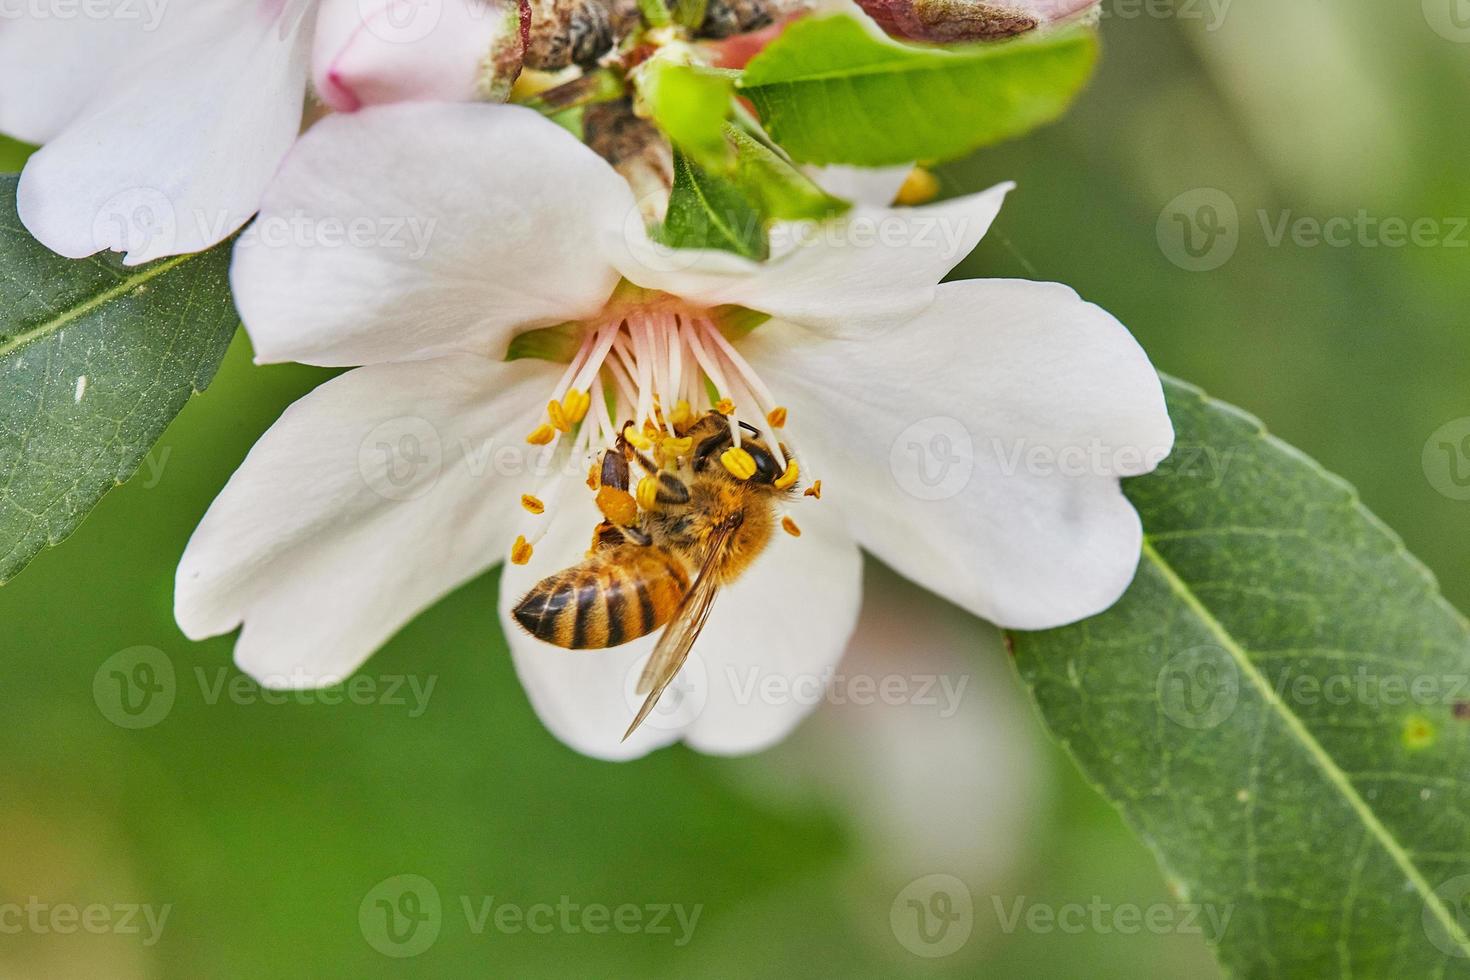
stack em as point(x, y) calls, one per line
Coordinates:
point(619, 594)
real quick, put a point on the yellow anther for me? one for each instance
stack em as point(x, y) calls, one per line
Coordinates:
point(533, 504)
point(574, 405)
point(786, 479)
point(683, 415)
point(648, 493)
point(617, 505)
point(542, 435)
point(636, 438)
point(677, 447)
point(520, 552)
point(789, 526)
point(815, 490)
point(594, 477)
point(919, 187)
point(777, 417)
point(725, 406)
point(558, 417)
point(739, 462)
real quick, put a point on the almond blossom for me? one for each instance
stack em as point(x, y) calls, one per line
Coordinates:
point(929, 425)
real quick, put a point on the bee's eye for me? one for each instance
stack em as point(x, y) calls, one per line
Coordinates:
point(766, 469)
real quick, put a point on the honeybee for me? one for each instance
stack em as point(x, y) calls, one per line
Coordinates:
point(666, 566)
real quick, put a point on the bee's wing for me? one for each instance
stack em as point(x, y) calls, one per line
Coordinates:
point(678, 637)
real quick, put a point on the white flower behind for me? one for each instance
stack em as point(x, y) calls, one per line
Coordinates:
point(162, 123)
point(390, 485)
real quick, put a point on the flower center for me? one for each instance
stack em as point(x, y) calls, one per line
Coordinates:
point(647, 373)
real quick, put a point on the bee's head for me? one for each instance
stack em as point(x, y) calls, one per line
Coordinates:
point(768, 466)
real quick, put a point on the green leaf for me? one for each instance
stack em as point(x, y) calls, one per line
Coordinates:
point(730, 210)
point(95, 360)
point(783, 191)
point(1280, 706)
point(690, 104)
point(710, 211)
point(830, 90)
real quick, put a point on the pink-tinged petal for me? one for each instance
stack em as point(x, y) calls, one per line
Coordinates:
point(172, 150)
point(370, 52)
point(369, 499)
point(410, 230)
point(783, 624)
point(978, 449)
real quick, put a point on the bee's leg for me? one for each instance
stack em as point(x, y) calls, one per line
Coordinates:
point(614, 470)
point(636, 535)
point(671, 490)
point(606, 535)
point(631, 450)
point(610, 535)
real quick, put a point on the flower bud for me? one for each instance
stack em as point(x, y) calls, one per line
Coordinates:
point(943, 21)
point(368, 52)
point(636, 150)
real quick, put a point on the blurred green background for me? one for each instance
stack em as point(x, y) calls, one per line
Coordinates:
point(266, 828)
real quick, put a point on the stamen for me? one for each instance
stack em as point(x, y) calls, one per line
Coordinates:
point(574, 405)
point(788, 478)
point(636, 438)
point(639, 380)
point(739, 462)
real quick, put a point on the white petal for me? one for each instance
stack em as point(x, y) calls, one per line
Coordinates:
point(977, 449)
point(171, 155)
point(782, 626)
point(409, 230)
point(873, 186)
point(368, 500)
point(50, 67)
point(868, 269)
